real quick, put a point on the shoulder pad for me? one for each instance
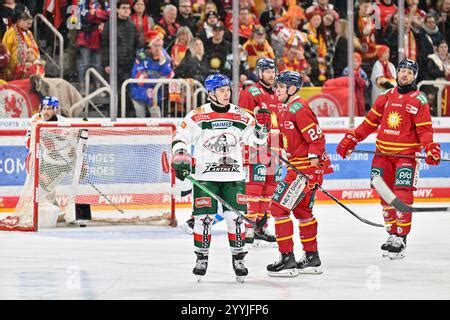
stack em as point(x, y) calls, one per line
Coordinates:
point(295, 107)
point(422, 98)
point(254, 91)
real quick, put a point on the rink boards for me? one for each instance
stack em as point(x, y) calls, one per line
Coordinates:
point(350, 180)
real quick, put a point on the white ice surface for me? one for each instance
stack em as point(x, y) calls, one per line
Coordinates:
point(140, 262)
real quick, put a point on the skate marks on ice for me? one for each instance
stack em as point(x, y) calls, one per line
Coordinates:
point(138, 262)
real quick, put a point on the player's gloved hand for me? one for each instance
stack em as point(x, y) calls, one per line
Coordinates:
point(182, 163)
point(347, 144)
point(315, 176)
point(433, 152)
point(263, 121)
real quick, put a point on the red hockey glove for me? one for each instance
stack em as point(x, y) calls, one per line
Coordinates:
point(263, 119)
point(347, 144)
point(315, 176)
point(433, 152)
point(182, 163)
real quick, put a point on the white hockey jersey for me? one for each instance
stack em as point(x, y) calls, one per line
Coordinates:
point(218, 139)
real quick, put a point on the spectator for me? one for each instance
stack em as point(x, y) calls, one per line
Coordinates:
point(322, 6)
point(285, 31)
point(18, 39)
point(184, 37)
point(327, 30)
point(294, 60)
point(438, 68)
point(257, 47)
point(340, 51)
point(316, 49)
point(444, 19)
point(89, 38)
point(9, 12)
point(226, 11)
point(361, 83)
point(194, 64)
point(206, 31)
point(4, 59)
point(273, 12)
point(246, 23)
point(127, 45)
point(185, 17)
point(168, 26)
point(383, 75)
point(385, 9)
point(428, 38)
point(210, 6)
point(411, 45)
point(152, 62)
point(365, 30)
point(33, 65)
point(217, 49)
point(143, 22)
point(431, 31)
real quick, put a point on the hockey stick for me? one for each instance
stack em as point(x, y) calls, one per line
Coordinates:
point(326, 192)
point(223, 202)
point(389, 196)
point(394, 155)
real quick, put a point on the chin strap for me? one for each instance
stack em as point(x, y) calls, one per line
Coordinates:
point(408, 88)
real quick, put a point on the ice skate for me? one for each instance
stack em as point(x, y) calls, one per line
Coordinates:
point(201, 265)
point(188, 226)
point(398, 248)
point(264, 239)
point(238, 266)
point(310, 263)
point(285, 266)
point(387, 245)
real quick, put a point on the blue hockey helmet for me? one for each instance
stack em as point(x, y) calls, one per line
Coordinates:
point(214, 81)
point(290, 78)
point(265, 63)
point(409, 64)
point(50, 101)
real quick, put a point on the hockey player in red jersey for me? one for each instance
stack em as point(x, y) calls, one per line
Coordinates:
point(263, 171)
point(304, 144)
point(402, 117)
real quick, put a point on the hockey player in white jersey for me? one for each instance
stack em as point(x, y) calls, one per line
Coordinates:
point(217, 130)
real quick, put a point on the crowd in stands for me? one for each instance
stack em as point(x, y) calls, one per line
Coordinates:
point(192, 38)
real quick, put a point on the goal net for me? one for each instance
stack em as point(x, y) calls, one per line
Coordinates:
point(120, 169)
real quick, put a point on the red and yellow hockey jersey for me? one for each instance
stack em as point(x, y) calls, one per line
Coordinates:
point(302, 136)
point(258, 96)
point(404, 122)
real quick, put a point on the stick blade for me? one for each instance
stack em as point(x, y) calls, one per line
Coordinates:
point(388, 195)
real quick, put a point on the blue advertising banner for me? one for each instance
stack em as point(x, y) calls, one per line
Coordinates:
point(107, 164)
point(12, 165)
point(358, 165)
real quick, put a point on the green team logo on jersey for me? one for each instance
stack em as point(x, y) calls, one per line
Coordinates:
point(376, 172)
point(404, 177)
point(254, 91)
point(259, 173)
point(279, 191)
point(278, 173)
point(422, 98)
point(295, 107)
